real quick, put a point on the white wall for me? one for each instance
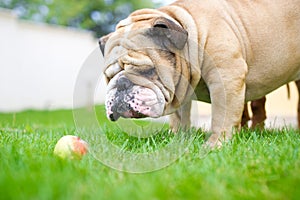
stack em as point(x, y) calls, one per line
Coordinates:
point(39, 63)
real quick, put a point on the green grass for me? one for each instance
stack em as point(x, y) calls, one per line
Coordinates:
point(254, 165)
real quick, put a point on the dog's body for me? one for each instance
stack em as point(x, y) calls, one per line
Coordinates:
point(227, 51)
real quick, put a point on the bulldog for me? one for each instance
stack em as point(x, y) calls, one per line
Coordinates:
point(225, 52)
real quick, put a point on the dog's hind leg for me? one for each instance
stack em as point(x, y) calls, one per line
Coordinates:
point(298, 86)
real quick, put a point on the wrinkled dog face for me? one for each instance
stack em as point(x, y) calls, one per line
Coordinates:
point(140, 63)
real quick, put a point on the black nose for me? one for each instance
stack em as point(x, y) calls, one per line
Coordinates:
point(123, 84)
point(114, 117)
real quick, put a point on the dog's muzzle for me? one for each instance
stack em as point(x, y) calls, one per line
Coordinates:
point(128, 100)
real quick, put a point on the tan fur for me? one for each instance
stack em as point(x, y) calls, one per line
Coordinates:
point(248, 44)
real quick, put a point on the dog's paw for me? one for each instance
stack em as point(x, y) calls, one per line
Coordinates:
point(213, 144)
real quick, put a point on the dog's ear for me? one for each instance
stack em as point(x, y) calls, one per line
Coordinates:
point(170, 33)
point(102, 42)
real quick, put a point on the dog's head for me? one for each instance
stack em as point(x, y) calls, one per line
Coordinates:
point(144, 66)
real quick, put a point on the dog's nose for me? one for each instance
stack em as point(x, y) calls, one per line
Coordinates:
point(123, 84)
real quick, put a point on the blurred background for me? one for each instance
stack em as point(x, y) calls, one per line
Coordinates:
point(45, 43)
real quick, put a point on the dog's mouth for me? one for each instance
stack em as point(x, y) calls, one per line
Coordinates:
point(131, 113)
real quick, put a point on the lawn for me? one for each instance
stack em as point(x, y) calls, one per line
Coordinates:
point(254, 165)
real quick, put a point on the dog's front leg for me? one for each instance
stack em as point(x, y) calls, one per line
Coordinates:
point(227, 93)
point(181, 118)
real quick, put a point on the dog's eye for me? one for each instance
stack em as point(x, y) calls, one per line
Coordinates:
point(148, 72)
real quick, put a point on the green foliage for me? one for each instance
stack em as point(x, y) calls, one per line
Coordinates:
point(254, 165)
point(99, 16)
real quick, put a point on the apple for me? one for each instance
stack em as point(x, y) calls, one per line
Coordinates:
point(70, 147)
